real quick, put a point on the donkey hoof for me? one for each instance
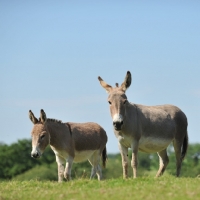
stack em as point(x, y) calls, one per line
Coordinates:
point(68, 177)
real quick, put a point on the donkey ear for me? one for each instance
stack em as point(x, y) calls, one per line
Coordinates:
point(43, 117)
point(127, 82)
point(32, 117)
point(107, 87)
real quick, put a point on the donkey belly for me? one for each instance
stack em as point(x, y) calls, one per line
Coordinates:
point(81, 156)
point(152, 145)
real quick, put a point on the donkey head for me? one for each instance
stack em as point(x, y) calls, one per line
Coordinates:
point(40, 135)
point(117, 100)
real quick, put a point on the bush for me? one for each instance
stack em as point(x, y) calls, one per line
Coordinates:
point(16, 162)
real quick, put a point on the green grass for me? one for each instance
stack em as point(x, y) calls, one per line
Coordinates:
point(147, 188)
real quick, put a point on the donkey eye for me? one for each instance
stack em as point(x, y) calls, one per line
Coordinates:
point(42, 136)
point(109, 102)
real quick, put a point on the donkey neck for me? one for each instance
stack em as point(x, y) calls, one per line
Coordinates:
point(59, 134)
point(131, 119)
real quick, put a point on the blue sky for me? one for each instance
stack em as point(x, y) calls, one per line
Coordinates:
point(51, 53)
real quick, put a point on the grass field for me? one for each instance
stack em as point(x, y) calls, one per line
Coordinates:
point(146, 188)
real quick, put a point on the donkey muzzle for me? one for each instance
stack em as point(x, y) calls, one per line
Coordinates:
point(118, 125)
point(35, 153)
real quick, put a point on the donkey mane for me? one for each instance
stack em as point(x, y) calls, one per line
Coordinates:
point(54, 120)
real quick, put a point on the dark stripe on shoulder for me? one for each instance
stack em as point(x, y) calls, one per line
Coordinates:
point(70, 130)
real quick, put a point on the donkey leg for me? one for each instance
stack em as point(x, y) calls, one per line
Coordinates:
point(93, 172)
point(177, 148)
point(164, 160)
point(99, 172)
point(124, 155)
point(134, 161)
point(96, 169)
point(67, 173)
point(60, 162)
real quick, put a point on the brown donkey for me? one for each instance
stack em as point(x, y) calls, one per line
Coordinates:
point(146, 128)
point(71, 142)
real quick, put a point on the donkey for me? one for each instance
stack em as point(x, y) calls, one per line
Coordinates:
point(71, 142)
point(146, 128)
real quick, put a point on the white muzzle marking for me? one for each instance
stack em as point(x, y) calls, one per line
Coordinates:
point(36, 151)
point(117, 118)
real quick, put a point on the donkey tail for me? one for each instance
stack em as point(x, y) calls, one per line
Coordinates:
point(184, 146)
point(104, 157)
